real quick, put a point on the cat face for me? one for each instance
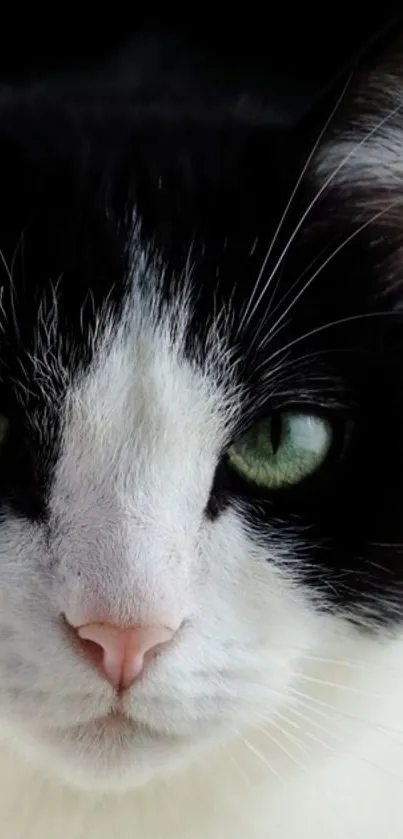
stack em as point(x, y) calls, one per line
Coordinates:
point(128, 537)
point(200, 413)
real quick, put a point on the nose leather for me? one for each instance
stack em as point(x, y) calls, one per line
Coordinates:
point(120, 652)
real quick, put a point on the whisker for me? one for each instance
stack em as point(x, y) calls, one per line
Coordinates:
point(296, 740)
point(309, 719)
point(273, 330)
point(287, 735)
point(320, 706)
point(283, 748)
point(312, 263)
point(291, 737)
point(246, 317)
point(296, 363)
point(257, 753)
point(239, 768)
point(329, 325)
point(339, 686)
point(339, 662)
point(334, 736)
point(314, 201)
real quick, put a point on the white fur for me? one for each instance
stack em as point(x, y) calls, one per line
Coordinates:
point(249, 724)
point(348, 787)
point(366, 152)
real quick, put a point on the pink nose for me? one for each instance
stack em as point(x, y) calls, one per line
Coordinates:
point(120, 652)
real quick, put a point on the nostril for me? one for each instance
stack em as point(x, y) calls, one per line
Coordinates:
point(91, 649)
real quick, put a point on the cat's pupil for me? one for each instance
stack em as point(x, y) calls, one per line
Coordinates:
point(276, 427)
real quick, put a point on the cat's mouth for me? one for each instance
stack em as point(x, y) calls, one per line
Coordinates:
point(114, 719)
point(118, 724)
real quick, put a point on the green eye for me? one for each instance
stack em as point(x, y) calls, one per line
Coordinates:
point(282, 450)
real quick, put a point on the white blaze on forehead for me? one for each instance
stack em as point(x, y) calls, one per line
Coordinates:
point(143, 404)
point(143, 430)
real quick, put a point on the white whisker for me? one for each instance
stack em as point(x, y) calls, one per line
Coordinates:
point(329, 325)
point(328, 683)
point(273, 330)
point(239, 768)
point(245, 317)
point(283, 749)
point(257, 753)
point(321, 707)
point(314, 201)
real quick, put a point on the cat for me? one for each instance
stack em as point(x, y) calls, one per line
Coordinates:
point(201, 397)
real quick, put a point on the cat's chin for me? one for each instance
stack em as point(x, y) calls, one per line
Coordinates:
point(113, 753)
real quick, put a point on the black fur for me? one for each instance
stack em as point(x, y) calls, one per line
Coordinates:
point(209, 185)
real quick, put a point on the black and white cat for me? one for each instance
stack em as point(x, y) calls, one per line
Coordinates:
point(201, 538)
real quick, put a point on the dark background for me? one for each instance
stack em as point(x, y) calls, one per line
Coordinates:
point(296, 54)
